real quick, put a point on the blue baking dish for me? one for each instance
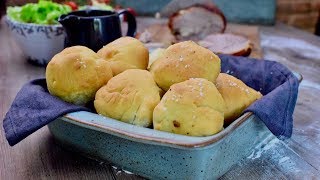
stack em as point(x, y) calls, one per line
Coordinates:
point(160, 155)
point(155, 154)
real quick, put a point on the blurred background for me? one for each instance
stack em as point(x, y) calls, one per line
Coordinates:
point(303, 14)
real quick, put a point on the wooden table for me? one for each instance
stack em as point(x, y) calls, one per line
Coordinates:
point(38, 157)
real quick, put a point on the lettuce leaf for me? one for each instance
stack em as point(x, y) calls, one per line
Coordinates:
point(43, 12)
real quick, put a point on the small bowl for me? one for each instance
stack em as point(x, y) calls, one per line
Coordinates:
point(38, 42)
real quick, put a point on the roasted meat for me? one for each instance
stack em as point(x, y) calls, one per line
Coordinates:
point(196, 22)
point(227, 44)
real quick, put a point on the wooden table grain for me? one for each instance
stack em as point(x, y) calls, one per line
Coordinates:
point(39, 157)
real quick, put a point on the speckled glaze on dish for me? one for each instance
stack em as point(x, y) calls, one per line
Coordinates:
point(155, 154)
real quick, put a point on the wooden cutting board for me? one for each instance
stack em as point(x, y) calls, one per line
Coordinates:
point(249, 31)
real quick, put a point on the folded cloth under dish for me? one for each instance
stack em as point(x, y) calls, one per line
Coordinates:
point(34, 107)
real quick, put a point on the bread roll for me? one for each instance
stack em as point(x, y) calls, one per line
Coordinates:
point(237, 96)
point(193, 107)
point(76, 73)
point(182, 61)
point(129, 97)
point(125, 53)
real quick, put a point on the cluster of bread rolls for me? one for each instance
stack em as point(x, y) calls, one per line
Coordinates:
point(182, 91)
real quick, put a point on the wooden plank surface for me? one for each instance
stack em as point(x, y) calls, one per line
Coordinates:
point(39, 157)
point(300, 51)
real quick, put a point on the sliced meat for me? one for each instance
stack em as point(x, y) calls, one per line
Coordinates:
point(227, 44)
point(196, 22)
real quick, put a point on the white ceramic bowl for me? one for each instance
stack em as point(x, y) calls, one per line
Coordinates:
point(38, 42)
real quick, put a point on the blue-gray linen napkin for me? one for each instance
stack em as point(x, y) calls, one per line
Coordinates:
point(34, 107)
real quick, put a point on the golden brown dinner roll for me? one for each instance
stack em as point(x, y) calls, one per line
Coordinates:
point(182, 61)
point(125, 53)
point(129, 97)
point(237, 96)
point(193, 107)
point(76, 73)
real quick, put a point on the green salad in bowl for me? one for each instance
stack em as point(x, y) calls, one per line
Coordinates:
point(43, 12)
point(36, 29)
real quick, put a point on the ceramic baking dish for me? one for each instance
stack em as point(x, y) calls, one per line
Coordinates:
point(155, 154)
point(160, 155)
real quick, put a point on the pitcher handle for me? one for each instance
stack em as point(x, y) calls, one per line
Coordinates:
point(132, 24)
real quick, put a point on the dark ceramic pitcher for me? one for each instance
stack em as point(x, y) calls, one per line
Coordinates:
point(95, 28)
